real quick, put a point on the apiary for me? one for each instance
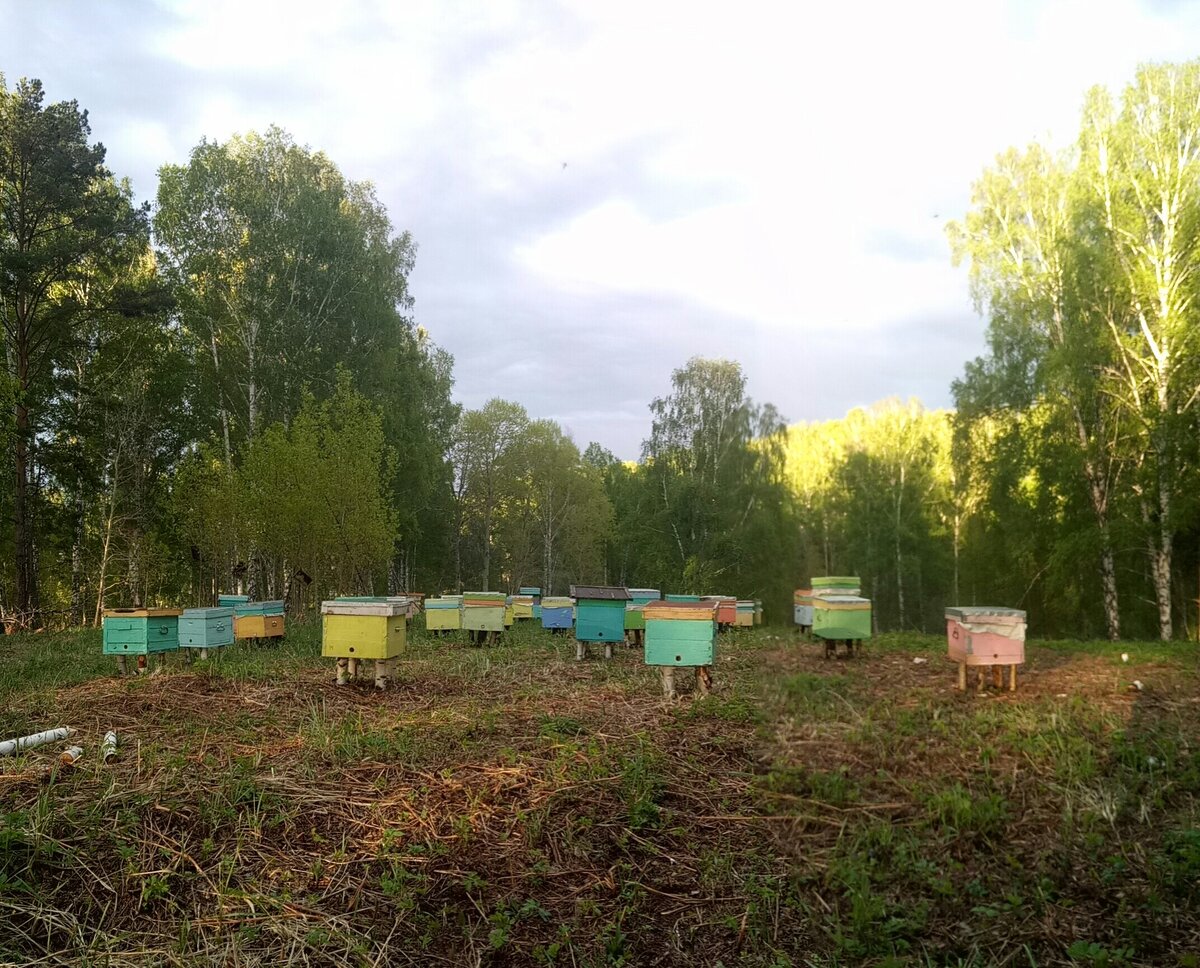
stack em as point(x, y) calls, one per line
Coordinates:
point(986, 636)
point(599, 616)
point(802, 608)
point(354, 631)
point(745, 614)
point(443, 614)
point(258, 620)
point(558, 612)
point(841, 618)
point(205, 628)
point(483, 614)
point(140, 632)
point(681, 634)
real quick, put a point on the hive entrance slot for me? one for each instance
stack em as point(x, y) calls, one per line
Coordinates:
point(678, 658)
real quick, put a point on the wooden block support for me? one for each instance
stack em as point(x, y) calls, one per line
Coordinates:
point(383, 672)
point(704, 680)
point(608, 650)
point(343, 665)
point(1012, 678)
point(353, 667)
point(668, 682)
point(580, 651)
point(962, 676)
point(141, 665)
point(122, 665)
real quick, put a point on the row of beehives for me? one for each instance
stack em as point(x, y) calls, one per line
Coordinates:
point(984, 636)
point(142, 632)
point(598, 621)
point(676, 630)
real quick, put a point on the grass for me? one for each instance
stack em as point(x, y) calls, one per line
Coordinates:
point(508, 806)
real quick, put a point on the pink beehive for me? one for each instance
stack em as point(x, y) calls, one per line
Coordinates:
point(985, 636)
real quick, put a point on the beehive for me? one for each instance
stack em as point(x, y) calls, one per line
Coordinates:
point(745, 614)
point(258, 620)
point(483, 611)
point(599, 612)
point(841, 618)
point(522, 606)
point(681, 598)
point(726, 608)
point(635, 619)
point(140, 632)
point(228, 601)
point(205, 628)
point(985, 636)
point(443, 614)
point(354, 631)
point(509, 614)
point(557, 613)
point(802, 607)
point(536, 594)
point(681, 634)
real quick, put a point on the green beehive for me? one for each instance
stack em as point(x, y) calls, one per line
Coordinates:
point(483, 611)
point(681, 634)
point(635, 620)
point(599, 616)
point(842, 617)
point(140, 632)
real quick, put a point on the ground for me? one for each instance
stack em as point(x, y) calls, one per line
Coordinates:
point(509, 806)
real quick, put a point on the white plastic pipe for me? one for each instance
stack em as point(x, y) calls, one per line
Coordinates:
point(11, 746)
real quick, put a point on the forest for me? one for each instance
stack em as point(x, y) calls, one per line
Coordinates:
point(229, 387)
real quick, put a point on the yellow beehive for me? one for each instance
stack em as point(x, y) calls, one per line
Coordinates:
point(363, 630)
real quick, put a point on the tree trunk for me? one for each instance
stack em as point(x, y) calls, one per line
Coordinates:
point(26, 573)
point(77, 558)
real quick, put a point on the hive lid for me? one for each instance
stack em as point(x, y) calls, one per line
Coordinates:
point(141, 612)
point(529, 590)
point(834, 581)
point(985, 613)
point(341, 607)
point(843, 603)
point(559, 601)
point(600, 593)
point(745, 604)
point(645, 593)
point(218, 611)
point(689, 611)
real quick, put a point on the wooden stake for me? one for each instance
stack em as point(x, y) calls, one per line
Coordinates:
point(141, 665)
point(353, 664)
point(343, 671)
point(962, 676)
point(997, 676)
point(668, 682)
point(1012, 678)
point(704, 680)
point(203, 654)
point(608, 650)
point(381, 673)
point(580, 651)
point(122, 665)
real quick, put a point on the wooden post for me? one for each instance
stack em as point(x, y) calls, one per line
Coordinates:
point(704, 680)
point(122, 666)
point(580, 651)
point(668, 682)
point(141, 665)
point(997, 676)
point(962, 676)
point(342, 671)
point(353, 667)
point(203, 654)
point(1012, 678)
point(608, 650)
point(381, 673)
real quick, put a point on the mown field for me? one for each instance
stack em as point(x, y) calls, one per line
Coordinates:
point(509, 806)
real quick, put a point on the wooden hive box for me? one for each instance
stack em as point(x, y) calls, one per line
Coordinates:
point(558, 612)
point(443, 614)
point(206, 628)
point(983, 635)
point(140, 631)
point(534, 592)
point(363, 630)
point(483, 611)
point(635, 619)
point(681, 598)
point(802, 607)
point(599, 612)
point(258, 620)
point(842, 617)
point(726, 608)
point(745, 614)
point(680, 633)
point(522, 606)
point(228, 601)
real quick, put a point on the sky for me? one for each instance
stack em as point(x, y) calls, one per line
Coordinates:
point(601, 190)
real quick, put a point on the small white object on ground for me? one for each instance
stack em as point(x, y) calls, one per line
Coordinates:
point(11, 746)
point(919, 659)
point(1124, 656)
point(108, 749)
point(1137, 684)
point(71, 755)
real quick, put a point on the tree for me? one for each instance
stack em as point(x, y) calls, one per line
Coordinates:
point(63, 218)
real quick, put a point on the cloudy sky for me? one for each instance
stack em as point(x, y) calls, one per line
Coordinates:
point(600, 190)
